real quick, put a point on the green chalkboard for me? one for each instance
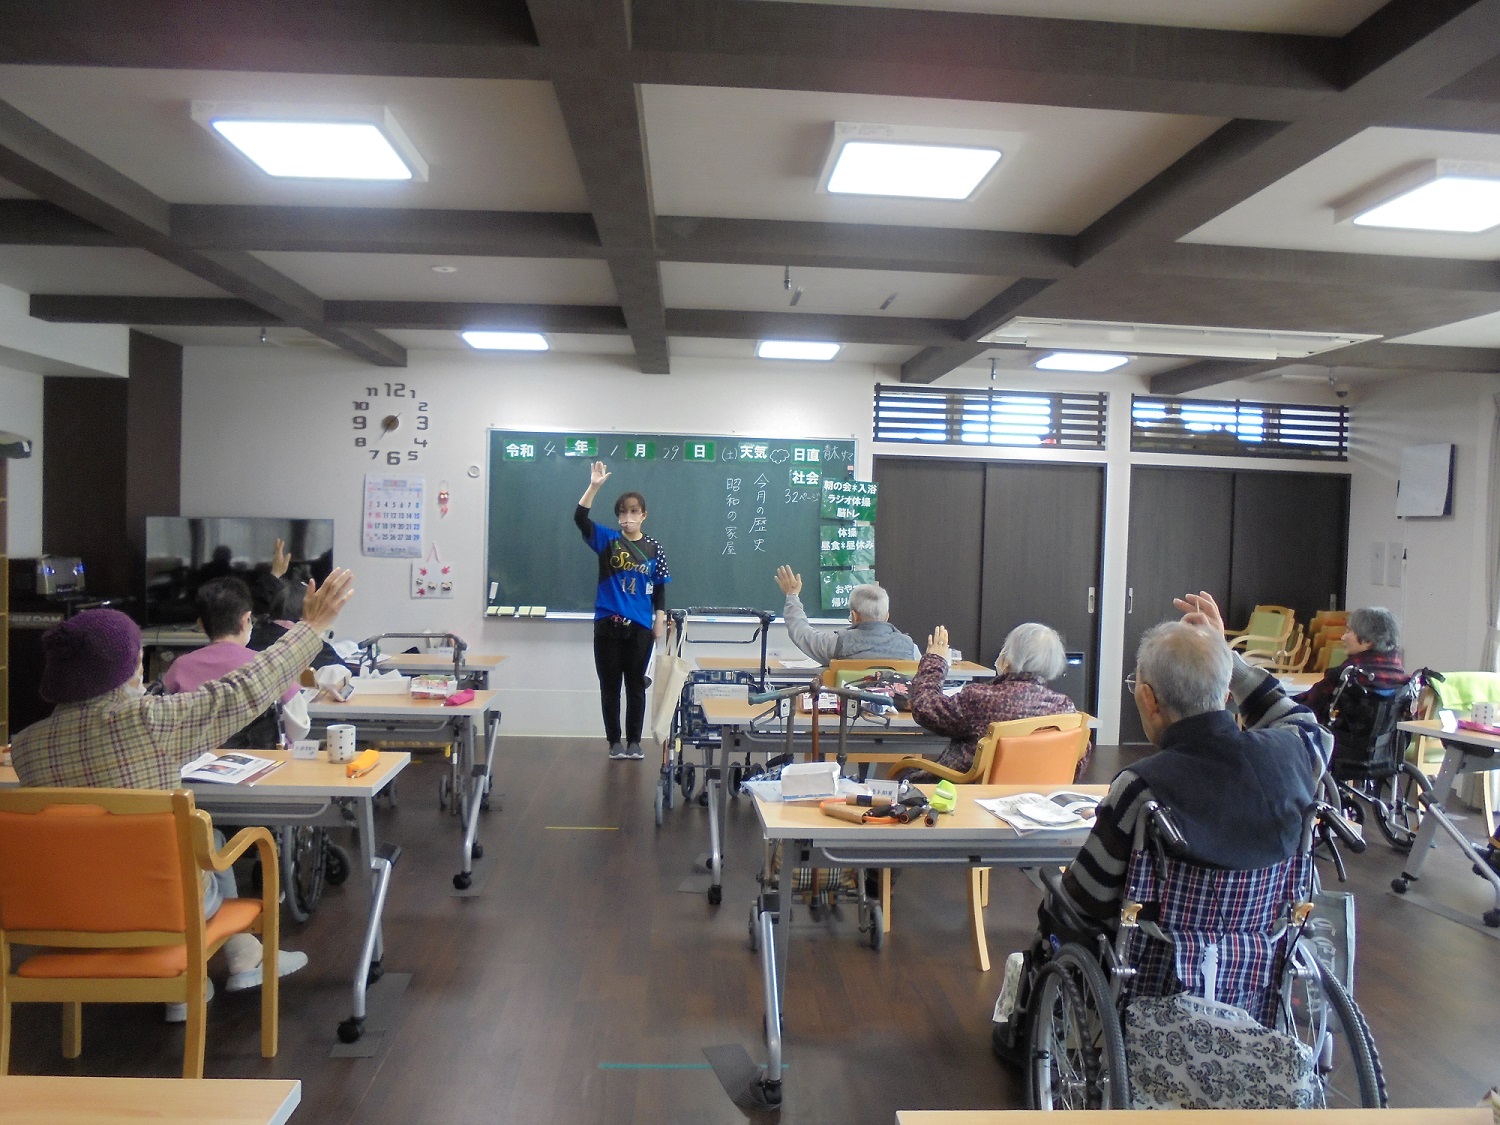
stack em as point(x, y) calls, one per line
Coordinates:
point(727, 511)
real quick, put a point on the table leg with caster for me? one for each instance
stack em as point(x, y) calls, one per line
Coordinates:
point(479, 800)
point(1433, 817)
point(712, 785)
point(370, 968)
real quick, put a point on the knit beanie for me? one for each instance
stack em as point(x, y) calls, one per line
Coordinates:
point(88, 655)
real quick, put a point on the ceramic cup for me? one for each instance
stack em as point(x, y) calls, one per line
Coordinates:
point(341, 742)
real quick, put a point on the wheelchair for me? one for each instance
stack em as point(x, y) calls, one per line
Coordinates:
point(1375, 781)
point(1084, 992)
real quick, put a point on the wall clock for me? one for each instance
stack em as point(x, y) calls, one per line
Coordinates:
point(391, 424)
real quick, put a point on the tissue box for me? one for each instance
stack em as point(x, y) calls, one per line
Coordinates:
point(809, 781)
point(381, 685)
point(433, 687)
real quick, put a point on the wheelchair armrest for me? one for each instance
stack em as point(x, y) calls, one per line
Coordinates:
point(1057, 903)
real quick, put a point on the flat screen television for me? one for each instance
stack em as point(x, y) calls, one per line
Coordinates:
point(183, 552)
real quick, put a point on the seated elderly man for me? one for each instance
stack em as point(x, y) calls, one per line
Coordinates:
point(1238, 796)
point(1373, 641)
point(870, 635)
point(106, 732)
point(1031, 655)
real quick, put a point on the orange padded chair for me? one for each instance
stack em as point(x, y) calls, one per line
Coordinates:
point(1045, 750)
point(108, 883)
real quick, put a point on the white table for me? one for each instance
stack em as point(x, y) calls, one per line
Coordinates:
point(1464, 751)
point(753, 728)
point(67, 1100)
point(968, 837)
point(468, 782)
point(475, 669)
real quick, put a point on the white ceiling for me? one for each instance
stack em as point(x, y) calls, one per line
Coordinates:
point(409, 277)
point(1296, 212)
point(489, 144)
point(1476, 332)
point(1324, 17)
point(694, 285)
point(97, 270)
point(756, 154)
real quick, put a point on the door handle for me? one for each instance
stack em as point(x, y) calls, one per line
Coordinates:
point(1091, 599)
point(1129, 600)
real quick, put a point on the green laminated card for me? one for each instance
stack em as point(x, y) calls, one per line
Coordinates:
point(844, 546)
point(849, 500)
point(838, 584)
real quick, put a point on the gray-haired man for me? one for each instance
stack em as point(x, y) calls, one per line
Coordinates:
point(870, 635)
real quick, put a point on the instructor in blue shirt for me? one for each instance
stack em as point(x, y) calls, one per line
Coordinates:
point(630, 609)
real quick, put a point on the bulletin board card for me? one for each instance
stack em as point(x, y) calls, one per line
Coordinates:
point(727, 511)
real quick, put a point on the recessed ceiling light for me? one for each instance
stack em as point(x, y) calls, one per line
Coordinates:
point(505, 341)
point(316, 142)
point(1167, 339)
point(911, 162)
point(443, 269)
point(1081, 361)
point(1454, 196)
point(797, 349)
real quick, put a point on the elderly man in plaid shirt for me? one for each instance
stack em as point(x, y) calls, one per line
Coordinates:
point(1236, 795)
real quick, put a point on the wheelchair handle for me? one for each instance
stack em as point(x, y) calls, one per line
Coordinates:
point(758, 697)
point(1340, 826)
point(764, 616)
point(1168, 836)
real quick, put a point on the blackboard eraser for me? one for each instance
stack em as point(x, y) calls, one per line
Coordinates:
point(523, 611)
point(538, 611)
point(503, 610)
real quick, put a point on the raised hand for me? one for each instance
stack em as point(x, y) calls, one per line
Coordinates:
point(598, 474)
point(280, 559)
point(322, 604)
point(1200, 609)
point(789, 582)
point(937, 643)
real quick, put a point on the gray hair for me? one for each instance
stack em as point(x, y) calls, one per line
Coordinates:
point(1377, 628)
point(871, 602)
point(1036, 649)
point(1188, 668)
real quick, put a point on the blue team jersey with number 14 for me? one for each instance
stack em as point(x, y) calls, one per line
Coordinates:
point(629, 572)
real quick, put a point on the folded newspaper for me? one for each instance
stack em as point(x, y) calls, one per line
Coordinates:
point(1040, 812)
point(228, 769)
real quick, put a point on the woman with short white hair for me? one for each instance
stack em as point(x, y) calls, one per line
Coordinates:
point(1031, 656)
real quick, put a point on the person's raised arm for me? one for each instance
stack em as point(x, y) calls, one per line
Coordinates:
point(817, 644)
point(321, 605)
point(280, 560)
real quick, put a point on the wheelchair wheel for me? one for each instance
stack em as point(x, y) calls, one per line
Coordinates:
point(304, 859)
point(337, 866)
point(689, 780)
point(1076, 1051)
point(1323, 1017)
point(1401, 805)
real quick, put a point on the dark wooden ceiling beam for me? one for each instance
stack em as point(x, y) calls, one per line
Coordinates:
point(934, 362)
point(587, 43)
point(727, 324)
point(981, 57)
point(45, 164)
point(1207, 373)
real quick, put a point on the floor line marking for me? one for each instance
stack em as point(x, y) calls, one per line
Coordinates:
point(583, 828)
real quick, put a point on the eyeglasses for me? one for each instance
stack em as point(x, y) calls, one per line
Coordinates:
point(1130, 683)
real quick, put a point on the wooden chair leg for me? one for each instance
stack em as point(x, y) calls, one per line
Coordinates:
point(885, 899)
point(984, 886)
point(196, 1038)
point(72, 1029)
point(270, 1001)
point(976, 913)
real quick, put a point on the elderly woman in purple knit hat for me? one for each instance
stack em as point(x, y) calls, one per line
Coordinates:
point(106, 732)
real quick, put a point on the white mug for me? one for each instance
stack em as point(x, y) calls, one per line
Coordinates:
point(1485, 714)
point(341, 742)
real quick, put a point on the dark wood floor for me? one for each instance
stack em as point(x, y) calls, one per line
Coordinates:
point(582, 985)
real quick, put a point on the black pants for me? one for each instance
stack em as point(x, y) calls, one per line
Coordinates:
point(621, 652)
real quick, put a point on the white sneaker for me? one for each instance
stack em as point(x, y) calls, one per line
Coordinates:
point(177, 1013)
point(1005, 1006)
point(288, 961)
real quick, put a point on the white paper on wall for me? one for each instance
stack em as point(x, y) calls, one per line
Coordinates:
point(1377, 564)
point(1425, 487)
point(392, 524)
point(1395, 563)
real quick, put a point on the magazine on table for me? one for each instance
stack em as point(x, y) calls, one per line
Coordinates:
point(228, 769)
point(1042, 812)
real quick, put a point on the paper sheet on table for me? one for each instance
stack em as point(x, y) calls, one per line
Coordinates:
point(800, 665)
point(1037, 812)
point(770, 791)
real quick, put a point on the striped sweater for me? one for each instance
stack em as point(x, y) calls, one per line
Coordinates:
point(1237, 795)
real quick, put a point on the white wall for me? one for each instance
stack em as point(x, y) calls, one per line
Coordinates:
point(21, 413)
point(268, 431)
point(1441, 599)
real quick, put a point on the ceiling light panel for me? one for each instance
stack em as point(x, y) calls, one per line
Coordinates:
point(1096, 362)
point(1168, 339)
point(316, 142)
point(910, 162)
point(1455, 196)
point(818, 350)
point(490, 341)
